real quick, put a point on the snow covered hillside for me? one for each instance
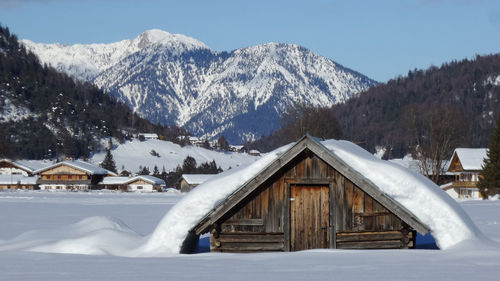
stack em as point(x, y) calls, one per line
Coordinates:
point(133, 154)
point(67, 220)
point(174, 79)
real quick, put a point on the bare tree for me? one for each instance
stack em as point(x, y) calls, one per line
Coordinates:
point(436, 132)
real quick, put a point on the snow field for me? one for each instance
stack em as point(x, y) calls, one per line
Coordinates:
point(135, 153)
point(32, 213)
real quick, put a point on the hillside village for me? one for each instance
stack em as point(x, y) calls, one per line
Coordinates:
point(459, 175)
point(80, 175)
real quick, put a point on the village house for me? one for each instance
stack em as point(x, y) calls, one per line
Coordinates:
point(71, 175)
point(254, 152)
point(17, 181)
point(466, 165)
point(306, 198)
point(147, 136)
point(190, 181)
point(141, 183)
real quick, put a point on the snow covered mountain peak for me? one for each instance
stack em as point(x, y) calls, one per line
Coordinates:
point(175, 79)
point(157, 36)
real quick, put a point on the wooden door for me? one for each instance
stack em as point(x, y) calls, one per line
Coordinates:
point(309, 217)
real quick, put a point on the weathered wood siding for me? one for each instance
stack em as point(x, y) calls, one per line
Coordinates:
point(63, 169)
point(308, 192)
point(309, 217)
point(65, 177)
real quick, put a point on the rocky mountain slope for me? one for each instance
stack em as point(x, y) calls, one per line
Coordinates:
point(174, 79)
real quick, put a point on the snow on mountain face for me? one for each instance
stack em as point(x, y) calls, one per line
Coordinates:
point(174, 79)
point(87, 61)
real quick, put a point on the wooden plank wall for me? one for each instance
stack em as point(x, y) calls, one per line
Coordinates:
point(358, 220)
point(63, 169)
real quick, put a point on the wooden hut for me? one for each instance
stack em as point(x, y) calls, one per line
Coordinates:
point(307, 198)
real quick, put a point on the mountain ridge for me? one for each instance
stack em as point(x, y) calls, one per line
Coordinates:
point(181, 81)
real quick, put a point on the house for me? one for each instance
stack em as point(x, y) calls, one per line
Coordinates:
point(307, 197)
point(21, 167)
point(190, 181)
point(235, 148)
point(466, 165)
point(142, 183)
point(146, 183)
point(71, 175)
point(148, 136)
point(254, 152)
point(16, 181)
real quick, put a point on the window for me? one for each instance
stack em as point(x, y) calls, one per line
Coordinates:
point(139, 187)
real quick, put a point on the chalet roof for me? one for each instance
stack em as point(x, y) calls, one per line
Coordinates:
point(126, 180)
point(14, 179)
point(470, 158)
point(197, 178)
point(149, 135)
point(27, 165)
point(150, 179)
point(80, 165)
point(114, 180)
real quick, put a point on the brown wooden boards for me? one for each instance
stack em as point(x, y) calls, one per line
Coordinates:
point(309, 217)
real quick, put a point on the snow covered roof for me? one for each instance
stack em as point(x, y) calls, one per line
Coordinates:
point(80, 165)
point(33, 165)
point(150, 179)
point(149, 135)
point(28, 165)
point(114, 180)
point(470, 158)
point(14, 179)
point(197, 178)
point(126, 180)
point(448, 222)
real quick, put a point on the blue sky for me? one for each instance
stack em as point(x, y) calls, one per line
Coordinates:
point(381, 39)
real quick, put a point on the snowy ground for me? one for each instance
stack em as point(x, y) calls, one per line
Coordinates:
point(133, 154)
point(35, 214)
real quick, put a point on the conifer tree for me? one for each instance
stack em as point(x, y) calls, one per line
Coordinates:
point(144, 171)
point(109, 163)
point(489, 182)
point(156, 172)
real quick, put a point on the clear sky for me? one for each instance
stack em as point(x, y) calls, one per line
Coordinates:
point(379, 38)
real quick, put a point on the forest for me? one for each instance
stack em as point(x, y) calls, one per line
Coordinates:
point(65, 118)
point(459, 100)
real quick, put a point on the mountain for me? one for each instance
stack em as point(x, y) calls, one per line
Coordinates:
point(459, 99)
point(174, 79)
point(45, 113)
